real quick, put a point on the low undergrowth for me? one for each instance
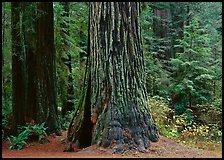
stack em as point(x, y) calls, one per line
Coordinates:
point(185, 129)
point(28, 132)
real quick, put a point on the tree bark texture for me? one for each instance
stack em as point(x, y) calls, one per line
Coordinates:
point(114, 109)
point(46, 104)
point(29, 38)
point(33, 63)
point(18, 73)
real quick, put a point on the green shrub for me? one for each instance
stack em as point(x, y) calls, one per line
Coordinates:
point(210, 114)
point(17, 142)
point(202, 132)
point(4, 123)
point(159, 110)
point(180, 108)
point(37, 130)
point(184, 127)
point(65, 121)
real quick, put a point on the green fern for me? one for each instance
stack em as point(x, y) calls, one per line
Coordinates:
point(25, 132)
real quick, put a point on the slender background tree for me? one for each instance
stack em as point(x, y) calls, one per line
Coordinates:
point(18, 72)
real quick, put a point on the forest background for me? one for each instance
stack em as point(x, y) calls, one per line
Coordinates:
point(182, 44)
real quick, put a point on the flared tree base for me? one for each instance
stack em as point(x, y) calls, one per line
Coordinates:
point(130, 129)
point(121, 130)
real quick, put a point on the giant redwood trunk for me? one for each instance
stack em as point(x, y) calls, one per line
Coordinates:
point(28, 29)
point(113, 110)
point(46, 106)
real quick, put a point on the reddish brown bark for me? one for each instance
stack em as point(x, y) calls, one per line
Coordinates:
point(45, 69)
point(114, 110)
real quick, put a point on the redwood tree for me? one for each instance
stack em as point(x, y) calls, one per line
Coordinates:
point(18, 72)
point(114, 110)
point(46, 104)
point(28, 32)
point(34, 94)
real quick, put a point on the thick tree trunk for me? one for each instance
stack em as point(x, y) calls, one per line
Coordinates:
point(33, 73)
point(28, 27)
point(68, 105)
point(114, 110)
point(45, 69)
point(18, 74)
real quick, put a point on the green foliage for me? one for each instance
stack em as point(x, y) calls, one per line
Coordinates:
point(6, 62)
point(180, 108)
point(65, 121)
point(157, 77)
point(184, 128)
point(24, 133)
point(209, 114)
point(78, 76)
point(159, 110)
point(17, 142)
point(195, 73)
point(73, 42)
point(191, 72)
point(75, 31)
point(202, 133)
point(194, 76)
point(4, 122)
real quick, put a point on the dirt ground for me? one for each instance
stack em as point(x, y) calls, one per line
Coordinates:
point(165, 148)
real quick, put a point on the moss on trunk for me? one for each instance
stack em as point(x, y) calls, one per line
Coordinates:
point(116, 91)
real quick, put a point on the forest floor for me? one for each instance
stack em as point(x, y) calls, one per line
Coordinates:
point(164, 148)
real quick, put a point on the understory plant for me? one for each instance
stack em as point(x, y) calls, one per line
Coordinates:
point(25, 132)
point(185, 128)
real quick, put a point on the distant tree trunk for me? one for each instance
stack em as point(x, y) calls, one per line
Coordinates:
point(46, 104)
point(188, 19)
point(18, 74)
point(161, 28)
point(177, 16)
point(215, 52)
point(190, 100)
point(114, 109)
point(191, 46)
point(68, 105)
point(3, 35)
point(3, 47)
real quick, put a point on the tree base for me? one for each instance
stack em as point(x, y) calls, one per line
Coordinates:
point(134, 128)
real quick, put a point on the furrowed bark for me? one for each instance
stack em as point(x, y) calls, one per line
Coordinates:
point(45, 69)
point(120, 114)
